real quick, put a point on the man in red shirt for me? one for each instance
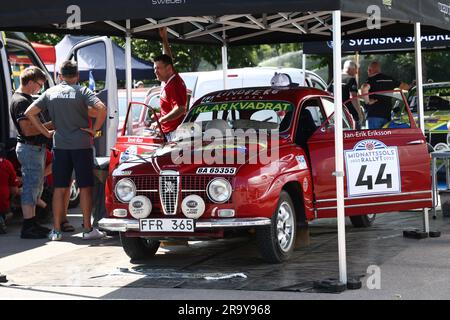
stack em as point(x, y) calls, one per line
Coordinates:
point(8, 187)
point(173, 99)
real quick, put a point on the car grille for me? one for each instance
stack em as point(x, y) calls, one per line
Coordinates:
point(149, 186)
point(169, 184)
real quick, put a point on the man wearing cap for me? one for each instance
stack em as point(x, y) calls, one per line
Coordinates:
point(68, 105)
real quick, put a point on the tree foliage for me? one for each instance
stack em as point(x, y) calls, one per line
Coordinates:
point(436, 64)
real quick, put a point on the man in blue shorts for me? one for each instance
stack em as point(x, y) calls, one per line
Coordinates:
point(67, 105)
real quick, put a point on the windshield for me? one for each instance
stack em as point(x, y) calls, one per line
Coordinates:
point(257, 115)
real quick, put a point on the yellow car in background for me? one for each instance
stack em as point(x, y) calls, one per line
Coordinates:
point(437, 112)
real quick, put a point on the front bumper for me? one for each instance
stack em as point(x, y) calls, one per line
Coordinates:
point(124, 225)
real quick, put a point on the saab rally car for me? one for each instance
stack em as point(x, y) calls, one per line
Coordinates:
point(437, 112)
point(272, 183)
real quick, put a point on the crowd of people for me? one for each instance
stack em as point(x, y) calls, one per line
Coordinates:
point(67, 117)
point(378, 109)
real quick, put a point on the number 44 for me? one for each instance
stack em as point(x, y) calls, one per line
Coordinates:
point(369, 180)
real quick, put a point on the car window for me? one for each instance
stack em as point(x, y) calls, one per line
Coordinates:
point(392, 101)
point(314, 108)
point(328, 105)
point(135, 111)
point(19, 59)
point(266, 116)
point(154, 102)
point(316, 83)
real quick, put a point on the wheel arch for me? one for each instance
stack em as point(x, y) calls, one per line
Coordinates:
point(295, 191)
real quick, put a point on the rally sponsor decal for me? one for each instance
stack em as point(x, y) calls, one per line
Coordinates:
point(302, 164)
point(217, 170)
point(244, 105)
point(372, 168)
point(129, 154)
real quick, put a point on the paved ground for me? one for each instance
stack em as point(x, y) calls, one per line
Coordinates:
point(75, 269)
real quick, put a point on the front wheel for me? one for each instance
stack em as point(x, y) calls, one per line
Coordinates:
point(139, 248)
point(364, 221)
point(276, 241)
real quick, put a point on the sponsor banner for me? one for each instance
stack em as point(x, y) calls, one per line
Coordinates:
point(244, 105)
point(378, 44)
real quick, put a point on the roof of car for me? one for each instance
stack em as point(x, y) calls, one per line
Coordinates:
point(290, 94)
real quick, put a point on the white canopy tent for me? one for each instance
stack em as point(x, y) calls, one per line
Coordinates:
point(243, 22)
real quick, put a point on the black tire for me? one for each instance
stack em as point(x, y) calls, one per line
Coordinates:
point(364, 221)
point(139, 248)
point(74, 199)
point(267, 237)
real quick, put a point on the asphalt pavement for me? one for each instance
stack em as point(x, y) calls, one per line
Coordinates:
point(389, 266)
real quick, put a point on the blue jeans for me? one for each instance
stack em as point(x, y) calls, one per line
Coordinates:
point(32, 159)
point(376, 122)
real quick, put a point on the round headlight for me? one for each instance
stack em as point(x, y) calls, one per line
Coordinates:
point(219, 190)
point(125, 190)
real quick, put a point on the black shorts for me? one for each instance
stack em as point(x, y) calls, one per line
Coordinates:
point(65, 161)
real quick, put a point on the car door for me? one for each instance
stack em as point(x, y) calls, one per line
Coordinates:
point(17, 55)
point(108, 94)
point(385, 169)
point(6, 123)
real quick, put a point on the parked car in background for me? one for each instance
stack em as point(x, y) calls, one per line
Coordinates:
point(437, 112)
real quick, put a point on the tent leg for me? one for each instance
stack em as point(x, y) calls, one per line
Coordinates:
point(128, 69)
point(426, 221)
point(304, 69)
point(339, 145)
point(419, 90)
point(419, 74)
point(225, 64)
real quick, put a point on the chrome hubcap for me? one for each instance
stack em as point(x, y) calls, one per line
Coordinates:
point(74, 191)
point(285, 226)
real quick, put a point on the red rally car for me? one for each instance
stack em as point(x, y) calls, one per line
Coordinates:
point(263, 159)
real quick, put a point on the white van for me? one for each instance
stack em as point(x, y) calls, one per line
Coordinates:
point(201, 83)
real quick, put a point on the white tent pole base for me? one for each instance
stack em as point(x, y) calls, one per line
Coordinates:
point(339, 144)
point(426, 220)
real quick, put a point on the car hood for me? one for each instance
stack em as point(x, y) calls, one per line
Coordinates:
point(186, 157)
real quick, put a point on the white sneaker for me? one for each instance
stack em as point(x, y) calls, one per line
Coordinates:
point(55, 235)
point(94, 234)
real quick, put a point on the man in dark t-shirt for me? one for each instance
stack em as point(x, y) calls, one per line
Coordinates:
point(30, 149)
point(379, 107)
point(68, 105)
point(350, 90)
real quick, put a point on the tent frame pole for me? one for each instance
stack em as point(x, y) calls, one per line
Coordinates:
point(224, 61)
point(128, 75)
point(304, 68)
point(339, 144)
point(420, 109)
